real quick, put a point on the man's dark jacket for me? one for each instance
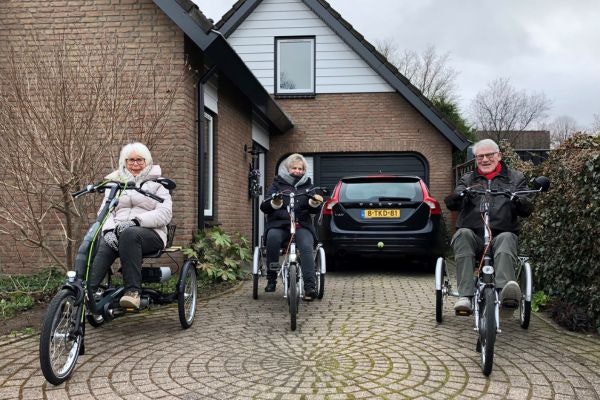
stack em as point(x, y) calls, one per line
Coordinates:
point(504, 214)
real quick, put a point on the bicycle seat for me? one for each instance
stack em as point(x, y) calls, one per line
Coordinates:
point(169, 247)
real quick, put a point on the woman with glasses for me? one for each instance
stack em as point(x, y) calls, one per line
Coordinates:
point(291, 177)
point(137, 226)
point(491, 173)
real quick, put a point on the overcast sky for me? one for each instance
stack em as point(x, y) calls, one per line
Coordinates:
point(542, 46)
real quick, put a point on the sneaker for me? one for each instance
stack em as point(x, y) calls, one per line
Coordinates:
point(130, 299)
point(271, 286)
point(510, 295)
point(463, 304)
point(310, 295)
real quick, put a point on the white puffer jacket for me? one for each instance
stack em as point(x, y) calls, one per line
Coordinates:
point(148, 212)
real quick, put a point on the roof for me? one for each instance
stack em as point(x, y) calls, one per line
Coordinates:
point(186, 15)
point(242, 8)
point(522, 140)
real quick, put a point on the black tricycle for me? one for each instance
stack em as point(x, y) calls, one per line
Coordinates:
point(63, 326)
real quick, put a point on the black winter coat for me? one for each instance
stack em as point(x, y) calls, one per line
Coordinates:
point(504, 214)
point(279, 218)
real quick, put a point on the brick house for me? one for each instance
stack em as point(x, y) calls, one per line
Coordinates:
point(346, 108)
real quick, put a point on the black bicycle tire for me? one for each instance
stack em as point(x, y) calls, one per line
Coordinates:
point(293, 294)
point(487, 330)
point(49, 332)
point(187, 295)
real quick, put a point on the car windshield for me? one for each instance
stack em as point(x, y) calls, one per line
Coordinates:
point(380, 191)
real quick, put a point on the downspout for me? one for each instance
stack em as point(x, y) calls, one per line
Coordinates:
point(201, 139)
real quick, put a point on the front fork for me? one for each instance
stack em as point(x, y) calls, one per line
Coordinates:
point(481, 285)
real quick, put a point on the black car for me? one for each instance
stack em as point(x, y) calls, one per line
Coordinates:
point(382, 215)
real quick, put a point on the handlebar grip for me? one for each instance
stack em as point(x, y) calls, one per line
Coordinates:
point(151, 195)
point(87, 189)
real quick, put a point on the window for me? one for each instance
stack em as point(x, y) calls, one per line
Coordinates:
point(295, 69)
point(207, 166)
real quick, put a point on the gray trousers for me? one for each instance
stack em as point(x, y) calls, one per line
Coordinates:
point(134, 242)
point(467, 244)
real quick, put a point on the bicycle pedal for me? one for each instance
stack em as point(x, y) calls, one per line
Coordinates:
point(463, 313)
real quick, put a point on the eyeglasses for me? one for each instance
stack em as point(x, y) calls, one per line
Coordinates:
point(136, 160)
point(489, 156)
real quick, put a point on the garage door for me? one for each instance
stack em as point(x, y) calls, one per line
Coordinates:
point(329, 168)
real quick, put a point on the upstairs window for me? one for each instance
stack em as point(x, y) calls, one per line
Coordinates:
point(295, 69)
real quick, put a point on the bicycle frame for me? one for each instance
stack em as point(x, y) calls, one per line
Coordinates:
point(291, 257)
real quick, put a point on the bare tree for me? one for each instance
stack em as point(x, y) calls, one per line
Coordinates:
point(561, 129)
point(596, 124)
point(502, 111)
point(429, 71)
point(65, 110)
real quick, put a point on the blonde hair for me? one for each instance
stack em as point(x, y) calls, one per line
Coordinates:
point(293, 159)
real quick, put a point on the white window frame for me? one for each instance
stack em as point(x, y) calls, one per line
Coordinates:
point(208, 185)
point(278, 42)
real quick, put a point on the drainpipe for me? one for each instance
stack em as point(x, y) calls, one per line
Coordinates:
point(201, 140)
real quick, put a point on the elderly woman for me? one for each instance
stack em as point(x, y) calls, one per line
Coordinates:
point(137, 226)
point(291, 177)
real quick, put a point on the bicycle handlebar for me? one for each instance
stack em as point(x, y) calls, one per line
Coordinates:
point(541, 181)
point(92, 188)
point(306, 192)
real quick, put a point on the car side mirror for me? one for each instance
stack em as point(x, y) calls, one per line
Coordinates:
point(542, 183)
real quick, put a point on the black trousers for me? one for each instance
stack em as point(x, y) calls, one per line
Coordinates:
point(134, 242)
point(277, 237)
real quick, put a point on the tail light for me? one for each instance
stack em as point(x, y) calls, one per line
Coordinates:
point(433, 204)
point(329, 204)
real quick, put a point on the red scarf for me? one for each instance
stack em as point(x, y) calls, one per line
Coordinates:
point(492, 174)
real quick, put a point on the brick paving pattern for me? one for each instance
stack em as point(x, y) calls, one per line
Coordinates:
point(373, 336)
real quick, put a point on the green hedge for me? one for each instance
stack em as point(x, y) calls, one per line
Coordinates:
point(563, 234)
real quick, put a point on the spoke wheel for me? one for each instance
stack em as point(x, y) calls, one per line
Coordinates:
point(60, 343)
point(257, 261)
point(487, 330)
point(293, 294)
point(187, 294)
point(255, 286)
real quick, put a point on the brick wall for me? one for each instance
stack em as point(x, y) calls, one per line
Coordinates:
point(234, 126)
point(148, 35)
point(371, 122)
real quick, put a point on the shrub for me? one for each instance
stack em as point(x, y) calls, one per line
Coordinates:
point(221, 257)
point(562, 234)
point(18, 293)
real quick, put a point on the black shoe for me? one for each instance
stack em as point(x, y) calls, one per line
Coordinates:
point(270, 286)
point(310, 295)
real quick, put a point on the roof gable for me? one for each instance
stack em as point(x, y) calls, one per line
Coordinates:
point(367, 52)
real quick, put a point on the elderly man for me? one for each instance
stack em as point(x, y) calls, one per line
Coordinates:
point(492, 173)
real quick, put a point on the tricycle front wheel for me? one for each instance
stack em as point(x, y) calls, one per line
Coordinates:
point(60, 338)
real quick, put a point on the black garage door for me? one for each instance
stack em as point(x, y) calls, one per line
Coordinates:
point(329, 168)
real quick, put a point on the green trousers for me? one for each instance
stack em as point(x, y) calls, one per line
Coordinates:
point(467, 244)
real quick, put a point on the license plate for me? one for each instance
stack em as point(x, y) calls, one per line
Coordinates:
point(393, 213)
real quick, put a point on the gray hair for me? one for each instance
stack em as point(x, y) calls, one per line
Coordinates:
point(485, 143)
point(136, 147)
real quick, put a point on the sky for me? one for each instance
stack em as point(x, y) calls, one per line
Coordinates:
point(541, 46)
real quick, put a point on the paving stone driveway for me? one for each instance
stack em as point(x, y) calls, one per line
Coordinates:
point(373, 336)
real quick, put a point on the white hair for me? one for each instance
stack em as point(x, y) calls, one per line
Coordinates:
point(485, 143)
point(136, 147)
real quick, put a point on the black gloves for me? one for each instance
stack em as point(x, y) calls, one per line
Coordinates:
point(523, 206)
point(454, 201)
